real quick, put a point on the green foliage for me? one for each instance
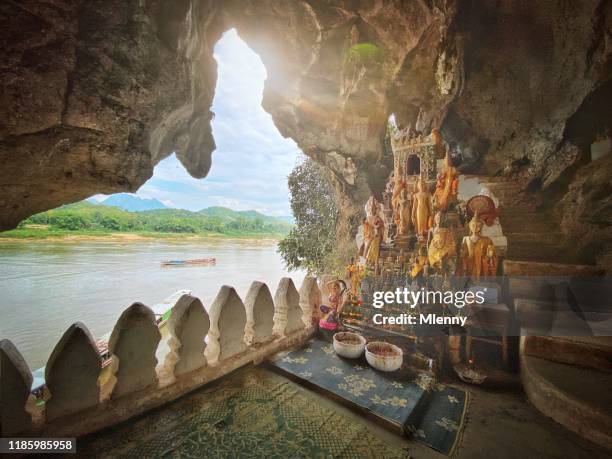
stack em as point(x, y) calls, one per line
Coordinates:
point(366, 53)
point(86, 217)
point(311, 241)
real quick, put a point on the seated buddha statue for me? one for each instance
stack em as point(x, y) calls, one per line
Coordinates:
point(446, 186)
point(419, 263)
point(441, 247)
point(478, 254)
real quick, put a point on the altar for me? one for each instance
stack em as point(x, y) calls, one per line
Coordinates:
point(423, 234)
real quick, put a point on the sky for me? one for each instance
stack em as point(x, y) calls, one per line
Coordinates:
point(252, 160)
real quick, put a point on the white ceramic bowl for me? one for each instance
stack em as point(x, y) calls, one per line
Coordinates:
point(348, 349)
point(390, 362)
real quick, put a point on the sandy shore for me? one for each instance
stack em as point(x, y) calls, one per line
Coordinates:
point(131, 237)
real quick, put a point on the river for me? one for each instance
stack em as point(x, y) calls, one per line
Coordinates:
point(46, 286)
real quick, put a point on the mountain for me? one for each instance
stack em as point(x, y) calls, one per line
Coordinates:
point(88, 217)
point(132, 203)
point(286, 218)
point(229, 214)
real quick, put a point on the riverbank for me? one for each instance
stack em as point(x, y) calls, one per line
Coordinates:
point(57, 235)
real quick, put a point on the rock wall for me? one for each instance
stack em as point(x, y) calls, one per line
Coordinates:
point(96, 93)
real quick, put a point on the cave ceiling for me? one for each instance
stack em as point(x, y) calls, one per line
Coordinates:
point(95, 93)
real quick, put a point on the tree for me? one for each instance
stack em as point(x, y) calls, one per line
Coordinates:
point(311, 241)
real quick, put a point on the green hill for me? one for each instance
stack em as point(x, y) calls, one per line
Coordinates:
point(85, 217)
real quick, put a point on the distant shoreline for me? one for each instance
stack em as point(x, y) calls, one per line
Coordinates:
point(44, 235)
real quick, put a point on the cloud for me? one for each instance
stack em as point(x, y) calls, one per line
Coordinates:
point(252, 160)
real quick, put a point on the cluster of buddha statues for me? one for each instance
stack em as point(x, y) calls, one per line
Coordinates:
point(413, 219)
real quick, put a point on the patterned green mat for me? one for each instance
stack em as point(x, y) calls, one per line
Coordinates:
point(251, 414)
point(431, 413)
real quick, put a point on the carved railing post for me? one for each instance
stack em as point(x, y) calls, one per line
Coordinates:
point(72, 372)
point(133, 343)
point(188, 325)
point(227, 325)
point(260, 313)
point(15, 384)
point(310, 299)
point(288, 317)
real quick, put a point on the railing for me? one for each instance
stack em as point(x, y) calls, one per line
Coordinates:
point(201, 347)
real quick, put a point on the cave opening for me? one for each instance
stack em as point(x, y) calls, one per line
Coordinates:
point(228, 222)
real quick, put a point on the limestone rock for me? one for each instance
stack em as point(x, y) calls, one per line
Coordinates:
point(95, 96)
point(72, 372)
point(15, 384)
point(133, 343)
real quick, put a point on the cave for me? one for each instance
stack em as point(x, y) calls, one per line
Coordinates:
point(96, 94)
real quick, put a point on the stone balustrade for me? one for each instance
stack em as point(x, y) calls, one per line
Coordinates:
point(81, 396)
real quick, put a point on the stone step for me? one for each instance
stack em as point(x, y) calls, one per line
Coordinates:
point(538, 251)
point(530, 226)
point(585, 351)
point(534, 268)
point(580, 399)
point(524, 215)
point(556, 318)
point(539, 237)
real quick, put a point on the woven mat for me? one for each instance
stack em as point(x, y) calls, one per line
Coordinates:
point(253, 413)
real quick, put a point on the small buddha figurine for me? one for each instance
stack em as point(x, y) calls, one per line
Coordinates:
point(446, 186)
point(478, 254)
point(421, 210)
point(403, 209)
point(490, 264)
point(353, 273)
point(441, 247)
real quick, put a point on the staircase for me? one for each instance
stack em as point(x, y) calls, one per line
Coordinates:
point(562, 309)
point(533, 234)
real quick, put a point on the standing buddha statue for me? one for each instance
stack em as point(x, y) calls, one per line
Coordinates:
point(478, 254)
point(403, 210)
point(447, 184)
point(399, 184)
point(367, 237)
point(354, 274)
point(374, 246)
point(421, 210)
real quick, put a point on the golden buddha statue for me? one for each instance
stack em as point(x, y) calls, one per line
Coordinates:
point(441, 246)
point(398, 185)
point(447, 184)
point(354, 274)
point(419, 263)
point(421, 210)
point(377, 235)
point(478, 254)
point(403, 211)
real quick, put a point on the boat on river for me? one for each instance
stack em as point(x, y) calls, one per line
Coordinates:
point(162, 313)
point(195, 261)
